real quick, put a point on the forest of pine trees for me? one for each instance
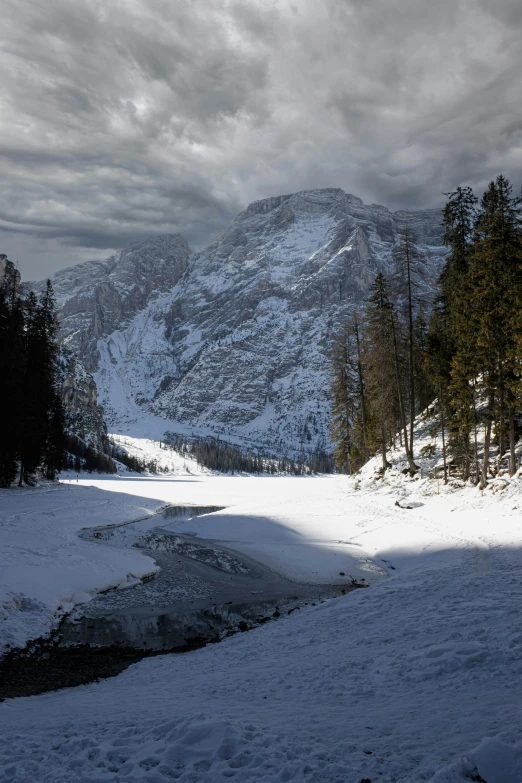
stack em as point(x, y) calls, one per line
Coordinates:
point(219, 455)
point(464, 359)
point(33, 422)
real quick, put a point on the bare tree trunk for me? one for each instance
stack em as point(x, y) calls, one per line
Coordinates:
point(485, 463)
point(407, 444)
point(477, 472)
point(410, 326)
point(487, 442)
point(383, 430)
point(443, 428)
point(502, 415)
point(512, 460)
point(466, 462)
point(362, 391)
point(21, 482)
point(399, 389)
point(383, 448)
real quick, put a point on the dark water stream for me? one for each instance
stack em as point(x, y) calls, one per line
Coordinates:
point(202, 593)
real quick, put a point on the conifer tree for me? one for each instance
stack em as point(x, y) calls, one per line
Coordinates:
point(11, 357)
point(459, 218)
point(361, 420)
point(399, 377)
point(424, 389)
point(437, 365)
point(450, 327)
point(476, 358)
point(41, 432)
point(495, 276)
point(55, 419)
point(349, 422)
point(55, 450)
point(407, 263)
point(381, 365)
point(342, 403)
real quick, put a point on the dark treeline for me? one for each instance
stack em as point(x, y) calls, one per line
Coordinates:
point(32, 417)
point(133, 463)
point(392, 360)
point(81, 456)
point(475, 336)
point(218, 455)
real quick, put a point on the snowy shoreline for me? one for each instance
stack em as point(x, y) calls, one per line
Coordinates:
point(62, 569)
point(396, 683)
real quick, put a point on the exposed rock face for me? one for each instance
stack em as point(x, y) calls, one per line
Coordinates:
point(236, 340)
point(84, 415)
point(97, 297)
point(9, 276)
point(251, 323)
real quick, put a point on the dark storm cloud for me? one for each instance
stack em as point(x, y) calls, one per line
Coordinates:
point(127, 118)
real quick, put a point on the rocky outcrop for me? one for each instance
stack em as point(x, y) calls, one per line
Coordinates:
point(84, 415)
point(98, 297)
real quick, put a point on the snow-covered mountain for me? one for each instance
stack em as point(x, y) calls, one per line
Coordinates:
point(97, 297)
point(235, 340)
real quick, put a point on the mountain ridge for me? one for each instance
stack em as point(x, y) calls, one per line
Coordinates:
point(234, 339)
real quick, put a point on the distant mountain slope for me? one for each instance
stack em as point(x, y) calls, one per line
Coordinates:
point(235, 340)
point(97, 297)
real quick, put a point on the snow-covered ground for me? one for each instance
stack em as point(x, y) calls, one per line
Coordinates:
point(148, 450)
point(417, 678)
point(45, 568)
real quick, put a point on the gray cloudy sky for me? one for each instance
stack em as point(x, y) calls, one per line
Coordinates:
point(126, 118)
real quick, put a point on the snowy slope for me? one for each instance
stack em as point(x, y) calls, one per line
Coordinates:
point(236, 340)
point(415, 679)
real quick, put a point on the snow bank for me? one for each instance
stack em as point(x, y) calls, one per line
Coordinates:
point(198, 749)
point(393, 683)
point(494, 760)
point(45, 568)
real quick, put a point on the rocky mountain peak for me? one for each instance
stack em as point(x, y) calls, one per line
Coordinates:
point(263, 206)
point(235, 340)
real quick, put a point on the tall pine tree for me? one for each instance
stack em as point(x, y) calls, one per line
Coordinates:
point(11, 371)
point(407, 264)
point(381, 364)
point(495, 278)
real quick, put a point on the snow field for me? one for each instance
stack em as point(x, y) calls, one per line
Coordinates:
point(45, 568)
point(394, 683)
point(151, 451)
point(415, 679)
